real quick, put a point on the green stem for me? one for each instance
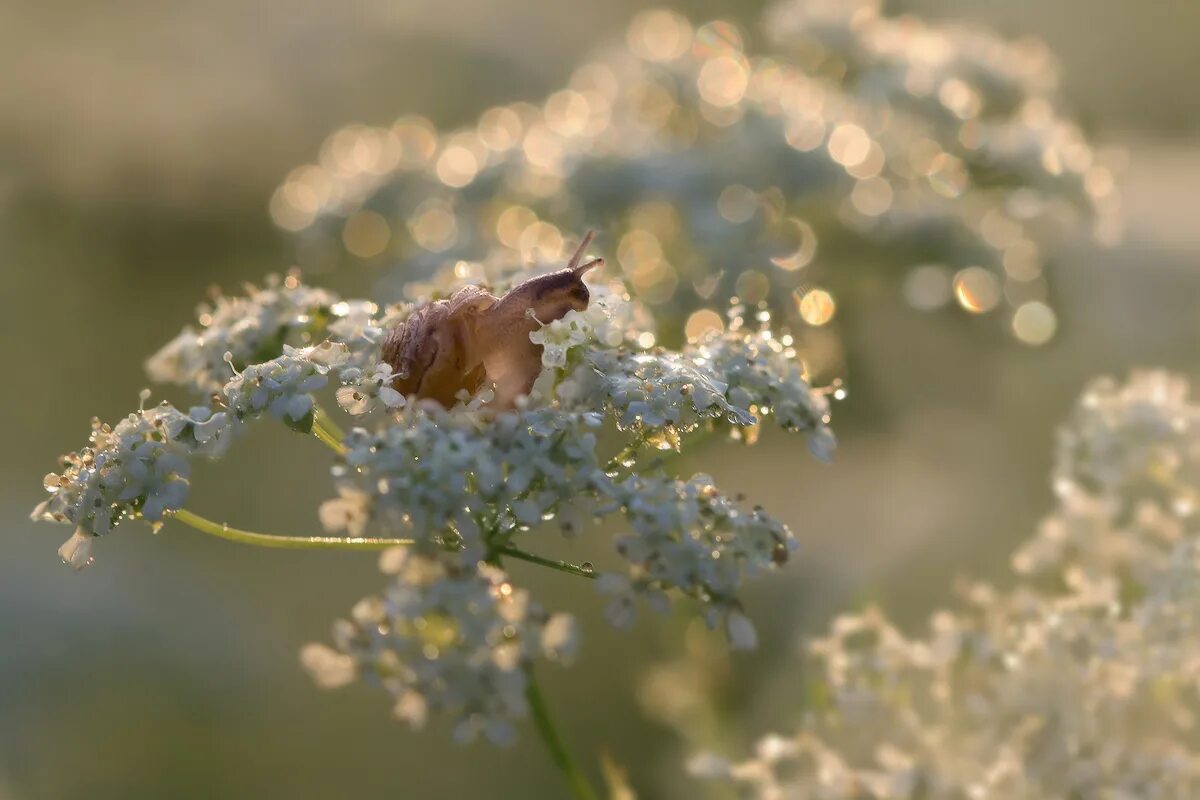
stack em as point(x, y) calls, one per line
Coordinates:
point(580, 788)
point(223, 531)
point(561, 566)
point(328, 431)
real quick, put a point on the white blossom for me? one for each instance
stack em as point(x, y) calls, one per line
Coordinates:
point(362, 390)
point(449, 639)
point(718, 180)
point(252, 329)
point(686, 536)
point(1079, 681)
point(283, 386)
point(139, 467)
point(472, 486)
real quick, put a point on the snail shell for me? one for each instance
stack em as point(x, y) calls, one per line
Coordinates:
point(473, 337)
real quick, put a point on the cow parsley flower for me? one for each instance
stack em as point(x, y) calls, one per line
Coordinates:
point(446, 638)
point(139, 467)
point(1139, 440)
point(251, 328)
point(467, 488)
point(710, 189)
point(283, 386)
point(1077, 682)
point(362, 390)
point(687, 536)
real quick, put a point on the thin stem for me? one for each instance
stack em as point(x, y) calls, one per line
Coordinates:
point(580, 788)
point(561, 566)
point(328, 431)
point(223, 531)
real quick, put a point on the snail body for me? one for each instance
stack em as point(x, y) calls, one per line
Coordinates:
point(473, 337)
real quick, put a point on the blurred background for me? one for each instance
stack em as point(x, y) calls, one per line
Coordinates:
point(139, 144)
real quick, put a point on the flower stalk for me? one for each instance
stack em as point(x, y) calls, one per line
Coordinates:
point(328, 431)
point(559, 754)
point(224, 531)
point(562, 566)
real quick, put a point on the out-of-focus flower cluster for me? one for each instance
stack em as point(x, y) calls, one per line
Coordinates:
point(936, 152)
point(1080, 681)
point(470, 486)
point(446, 639)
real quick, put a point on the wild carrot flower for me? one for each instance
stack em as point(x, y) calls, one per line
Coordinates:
point(1076, 682)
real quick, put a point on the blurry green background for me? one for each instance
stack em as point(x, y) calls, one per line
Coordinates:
point(139, 142)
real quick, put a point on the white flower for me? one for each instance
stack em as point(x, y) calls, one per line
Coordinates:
point(349, 512)
point(362, 390)
point(742, 635)
point(283, 386)
point(139, 467)
point(77, 551)
point(688, 537)
point(252, 329)
point(1080, 681)
point(446, 639)
point(692, 209)
point(329, 668)
point(560, 638)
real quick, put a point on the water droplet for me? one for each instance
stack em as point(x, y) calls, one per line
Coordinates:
point(587, 567)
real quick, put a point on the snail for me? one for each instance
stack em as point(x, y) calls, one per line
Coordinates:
point(473, 337)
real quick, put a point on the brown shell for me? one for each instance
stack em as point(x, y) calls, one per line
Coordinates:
point(454, 345)
point(432, 352)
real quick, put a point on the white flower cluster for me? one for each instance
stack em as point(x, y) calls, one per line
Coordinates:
point(283, 386)
point(1132, 442)
point(137, 467)
point(723, 171)
point(688, 536)
point(447, 639)
point(764, 376)
point(251, 328)
point(949, 75)
point(459, 478)
point(467, 485)
point(1078, 682)
point(140, 466)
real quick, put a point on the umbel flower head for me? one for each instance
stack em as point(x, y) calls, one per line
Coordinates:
point(1079, 681)
point(472, 487)
point(720, 168)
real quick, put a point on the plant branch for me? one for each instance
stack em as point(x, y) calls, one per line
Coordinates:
point(223, 531)
point(561, 566)
point(328, 431)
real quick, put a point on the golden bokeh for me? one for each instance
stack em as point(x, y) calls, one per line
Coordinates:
point(817, 307)
point(659, 35)
point(723, 80)
point(753, 286)
point(737, 203)
point(366, 234)
point(976, 290)
point(499, 128)
point(702, 322)
point(457, 166)
point(849, 145)
point(434, 226)
point(804, 239)
point(1034, 323)
point(928, 287)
